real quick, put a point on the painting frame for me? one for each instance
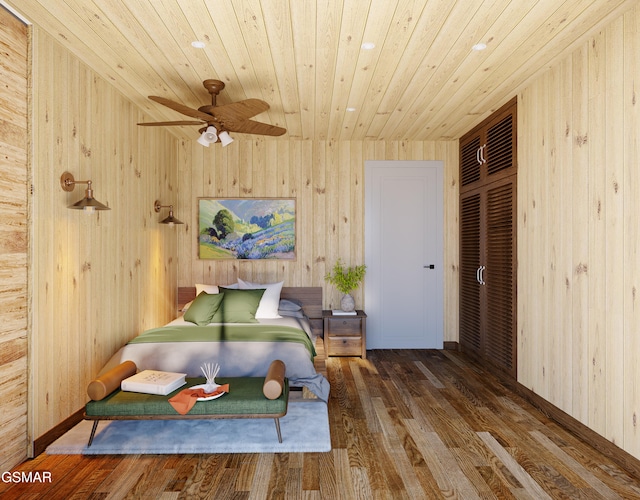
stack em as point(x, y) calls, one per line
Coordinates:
point(233, 228)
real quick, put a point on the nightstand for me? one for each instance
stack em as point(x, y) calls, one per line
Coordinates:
point(345, 335)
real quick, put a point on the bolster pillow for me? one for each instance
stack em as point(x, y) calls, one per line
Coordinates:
point(108, 382)
point(274, 381)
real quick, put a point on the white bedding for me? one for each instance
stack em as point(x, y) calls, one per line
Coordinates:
point(236, 359)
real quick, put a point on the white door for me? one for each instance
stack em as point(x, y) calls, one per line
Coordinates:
point(404, 288)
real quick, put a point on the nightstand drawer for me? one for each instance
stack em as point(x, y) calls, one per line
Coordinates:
point(344, 346)
point(344, 326)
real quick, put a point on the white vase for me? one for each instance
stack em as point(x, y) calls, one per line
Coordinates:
point(347, 303)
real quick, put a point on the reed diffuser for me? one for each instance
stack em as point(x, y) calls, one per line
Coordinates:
point(210, 371)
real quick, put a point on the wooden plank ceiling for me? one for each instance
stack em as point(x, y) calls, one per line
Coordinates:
point(421, 81)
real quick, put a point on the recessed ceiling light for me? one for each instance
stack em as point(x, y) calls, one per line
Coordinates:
point(479, 46)
point(368, 45)
point(351, 109)
point(198, 44)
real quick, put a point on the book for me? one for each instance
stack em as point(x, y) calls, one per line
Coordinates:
point(154, 382)
point(340, 312)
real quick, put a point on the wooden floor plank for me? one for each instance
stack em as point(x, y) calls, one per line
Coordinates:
point(534, 489)
point(440, 478)
point(404, 424)
point(364, 398)
point(460, 483)
point(310, 473)
point(573, 464)
point(246, 471)
point(395, 448)
point(260, 485)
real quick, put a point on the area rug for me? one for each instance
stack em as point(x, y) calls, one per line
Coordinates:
point(305, 428)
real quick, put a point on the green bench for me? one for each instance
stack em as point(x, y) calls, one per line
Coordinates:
point(245, 399)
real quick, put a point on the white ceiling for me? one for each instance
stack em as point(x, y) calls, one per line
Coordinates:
point(422, 81)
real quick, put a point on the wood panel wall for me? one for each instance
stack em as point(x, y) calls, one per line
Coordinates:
point(13, 239)
point(579, 234)
point(97, 280)
point(326, 178)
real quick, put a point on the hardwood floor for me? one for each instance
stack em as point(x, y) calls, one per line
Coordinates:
point(404, 424)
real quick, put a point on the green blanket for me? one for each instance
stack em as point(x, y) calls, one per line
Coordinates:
point(227, 333)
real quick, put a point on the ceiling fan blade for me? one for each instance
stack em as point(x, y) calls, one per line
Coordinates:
point(253, 127)
point(162, 124)
point(240, 111)
point(181, 108)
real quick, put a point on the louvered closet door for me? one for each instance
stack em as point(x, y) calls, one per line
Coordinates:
point(488, 273)
point(499, 276)
point(488, 169)
point(470, 238)
point(488, 152)
point(500, 148)
point(470, 161)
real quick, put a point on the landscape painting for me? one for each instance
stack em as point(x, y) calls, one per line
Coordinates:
point(247, 228)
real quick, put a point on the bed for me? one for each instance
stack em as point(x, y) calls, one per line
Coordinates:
point(242, 348)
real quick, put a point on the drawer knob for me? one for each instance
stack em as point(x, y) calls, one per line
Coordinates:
point(344, 322)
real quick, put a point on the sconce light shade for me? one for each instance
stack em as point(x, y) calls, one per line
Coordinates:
point(209, 136)
point(225, 138)
point(88, 203)
point(171, 220)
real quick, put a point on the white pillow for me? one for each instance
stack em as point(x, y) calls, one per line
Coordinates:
point(268, 307)
point(211, 288)
point(206, 289)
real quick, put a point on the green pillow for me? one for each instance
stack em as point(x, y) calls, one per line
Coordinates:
point(238, 306)
point(203, 308)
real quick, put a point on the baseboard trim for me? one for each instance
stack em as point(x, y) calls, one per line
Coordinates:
point(41, 443)
point(625, 460)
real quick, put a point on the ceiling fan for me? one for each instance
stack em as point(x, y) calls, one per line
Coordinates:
point(219, 120)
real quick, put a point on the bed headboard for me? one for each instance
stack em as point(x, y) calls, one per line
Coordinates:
point(309, 297)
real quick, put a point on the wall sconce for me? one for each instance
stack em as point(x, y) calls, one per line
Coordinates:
point(89, 204)
point(171, 220)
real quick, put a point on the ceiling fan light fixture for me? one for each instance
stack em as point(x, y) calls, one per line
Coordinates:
point(225, 138)
point(203, 141)
point(209, 136)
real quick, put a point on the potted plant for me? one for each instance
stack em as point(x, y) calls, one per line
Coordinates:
point(346, 279)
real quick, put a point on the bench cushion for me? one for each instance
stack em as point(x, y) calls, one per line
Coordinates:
point(245, 397)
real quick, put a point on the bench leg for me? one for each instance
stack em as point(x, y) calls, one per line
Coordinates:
point(277, 420)
point(93, 432)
